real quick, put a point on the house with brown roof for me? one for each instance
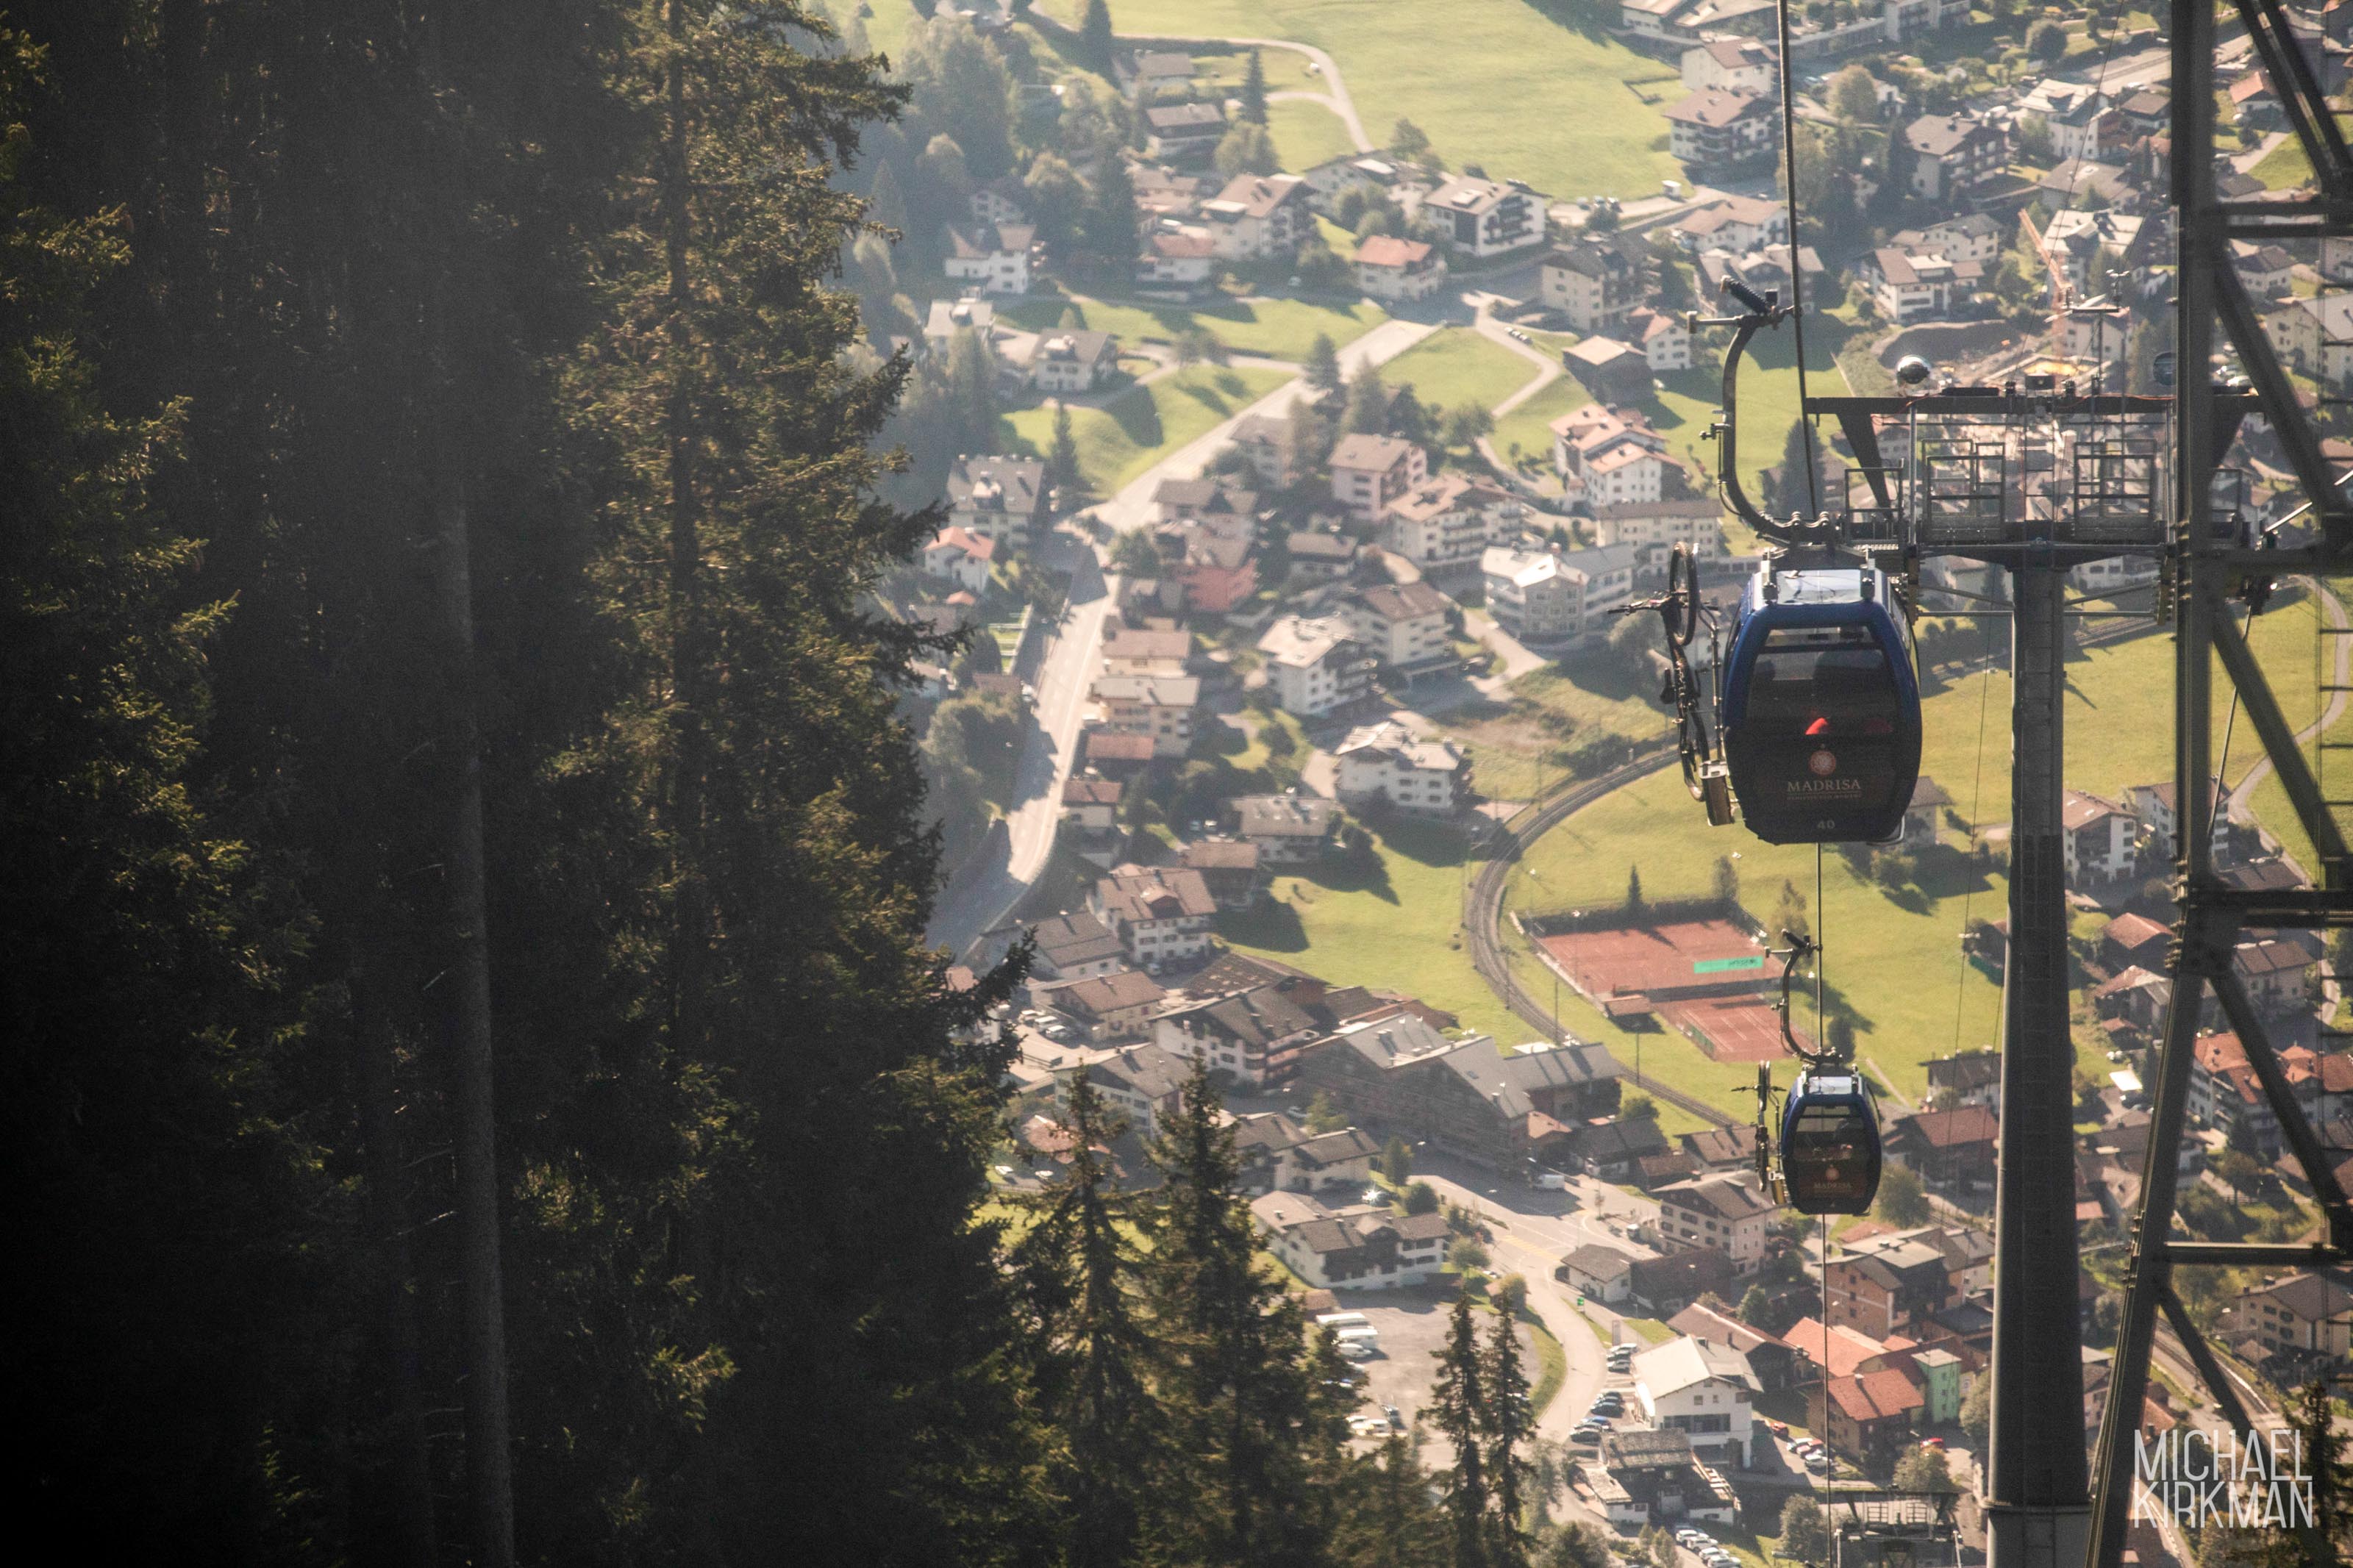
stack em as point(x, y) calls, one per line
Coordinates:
point(1160, 706)
point(1288, 829)
point(2307, 1315)
point(1392, 267)
point(1591, 282)
point(1728, 1149)
point(1106, 1007)
point(1183, 133)
point(2099, 840)
point(1075, 947)
point(1406, 624)
point(1947, 1148)
point(2131, 939)
point(1228, 867)
point(1352, 1247)
point(1257, 216)
point(1716, 129)
point(1952, 154)
point(1870, 1417)
point(2226, 1094)
point(1279, 1155)
point(1115, 755)
point(1887, 1286)
point(1967, 1077)
point(1674, 1281)
point(1162, 914)
point(1717, 1211)
point(1370, 471)
point(1253, 1037)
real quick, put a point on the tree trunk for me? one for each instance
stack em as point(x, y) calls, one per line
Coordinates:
point(410, 1481)
point(690, 914)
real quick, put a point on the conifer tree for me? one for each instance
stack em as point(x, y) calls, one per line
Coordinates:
point(1368, 412)
point(1458, 1408)
point(1095, 37)
point(886, 205)
point(1254, 91)
point(1510, 1423)
point(1323, 366)
point(1234, 1373)
point(1107, 224)
point(1083, 1280)
point(1063, 458)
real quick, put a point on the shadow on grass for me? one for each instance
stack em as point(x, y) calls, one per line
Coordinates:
point(1434, 844)
point(1270, 925)
point(1137, 416)
point(1577, 16)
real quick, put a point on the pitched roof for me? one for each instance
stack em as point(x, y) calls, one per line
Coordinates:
point(1713, 108)
point(1881, 1396)
point(1375, 452)
point(1717, 1195)
point(1285, 816)
point(1102, 995)
point(1075, 938)
point(1390, 250)
point(1598, 1261)
point(1847, 1348)
point(1218, 855)
point(1156, 893)
point(1112, 746)
point(1702, 1320)
point(1404, 601)
point(1681, 1363)
point(1958, 1128)
point(2133, 932)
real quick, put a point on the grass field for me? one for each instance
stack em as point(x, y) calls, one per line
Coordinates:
point(1455, 365)
point(1278, 329)
point(1472, 90)
point(1144, 424)
point(1398, 926)
point(1306, 134)
point(1529, 426)
point(2283, 167)
point(1896, 959)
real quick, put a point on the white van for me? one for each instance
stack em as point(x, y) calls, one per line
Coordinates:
point(1360, 1335)
point(1551, 1181)
point(1343, 1320)
point(1358, 1349)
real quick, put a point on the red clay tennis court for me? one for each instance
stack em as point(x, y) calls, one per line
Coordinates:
point(1685, 969)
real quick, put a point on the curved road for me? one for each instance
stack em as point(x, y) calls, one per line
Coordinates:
point(1337, 100)
point(2242, 794)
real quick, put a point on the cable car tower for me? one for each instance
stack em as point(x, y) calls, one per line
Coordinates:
point(2027, 482)
point(2031, 478)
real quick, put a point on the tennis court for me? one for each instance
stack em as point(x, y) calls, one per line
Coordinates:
point(1707, 979)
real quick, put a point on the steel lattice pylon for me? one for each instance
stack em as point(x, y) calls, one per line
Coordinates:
point(2213, 566)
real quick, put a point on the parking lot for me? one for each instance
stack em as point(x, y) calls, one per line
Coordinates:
point(1413, 1324)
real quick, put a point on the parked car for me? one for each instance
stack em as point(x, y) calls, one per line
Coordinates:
point(1396, 1422)
point(1778, 1428)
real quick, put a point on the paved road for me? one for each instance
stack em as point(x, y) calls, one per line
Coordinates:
point(2242, 794)
point(1132, 506)
point(982, 896)
point(1337, 99)
point(1547, 368)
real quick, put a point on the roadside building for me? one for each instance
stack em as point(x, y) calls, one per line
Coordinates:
point(1715, 132)
point(1257, 216)
point(1390, 267)
point(1183, 133)
point(1075, 947)
point(1482, 219)
point(1602, 1273)
point(1353, 1246)
point(1952, 154)
point(1142, 1084)
point(1700, 1388)
point(1161, 914)
point(1386, 762)
point(959, 556)
point(1160, 706)
point(1648, 1478)
point(1717, 1211)
point(1229, 867)
point(1072, 361)
point(1370, 471)
point(1316, 667)
point(1949, 1149)
point(1288, 829)
point(1254, 1036)
point(1279, 1155)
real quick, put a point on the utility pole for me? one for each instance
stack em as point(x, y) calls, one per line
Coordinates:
point(2038, 1505)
